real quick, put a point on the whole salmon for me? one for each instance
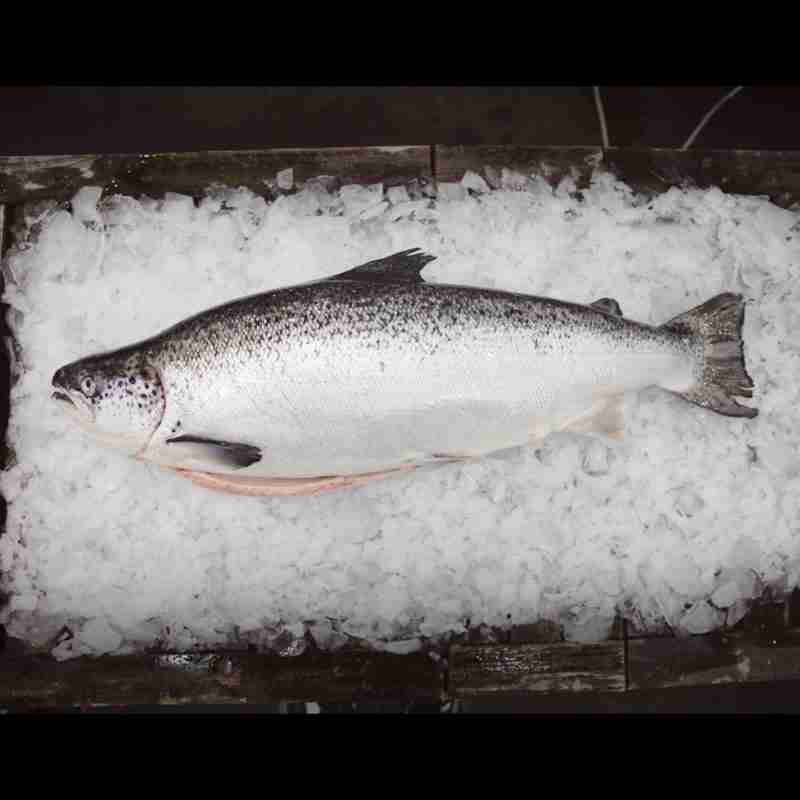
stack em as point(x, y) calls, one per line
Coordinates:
point(368, 372)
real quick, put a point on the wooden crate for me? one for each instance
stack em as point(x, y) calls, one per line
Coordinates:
point(512, 662)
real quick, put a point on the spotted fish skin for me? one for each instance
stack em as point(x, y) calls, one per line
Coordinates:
point(375, 369)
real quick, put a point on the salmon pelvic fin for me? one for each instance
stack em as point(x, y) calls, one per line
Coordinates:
point(723, 374)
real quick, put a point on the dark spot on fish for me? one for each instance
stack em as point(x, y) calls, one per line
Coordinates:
point(154, 393)
point(131, 379)
point(128, 391)
point(143, 396)
point(139, 404)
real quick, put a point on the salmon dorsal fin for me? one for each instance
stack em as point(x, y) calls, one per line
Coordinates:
point(404, 266)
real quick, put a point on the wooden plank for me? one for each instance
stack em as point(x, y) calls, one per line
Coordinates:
point(359, 677)
point(651, 170)
point(562, 667)
point(793, 609)
point(542, 632)
point(767, 621)
point(25, 179)
point(774, 173)
point(346, 676)
point(713, 658)
point(637, 627)
point(553, 163)
point(730, 698)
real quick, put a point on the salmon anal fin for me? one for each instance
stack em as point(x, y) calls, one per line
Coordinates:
point(606, 416)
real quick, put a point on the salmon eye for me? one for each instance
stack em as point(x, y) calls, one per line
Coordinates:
point(87, 385)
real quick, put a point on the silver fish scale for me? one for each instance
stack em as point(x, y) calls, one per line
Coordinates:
point(344, 376)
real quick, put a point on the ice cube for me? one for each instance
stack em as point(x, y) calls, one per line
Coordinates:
point(701, 618)
point(406, 209)
point(285, 179)
point(493, 177)
point(24, 601)
point(473, 181)
point(688, 502)
point(403, 647)
point(451, 191)
point(726, 595)
point(779, 457)
point(98, 637)
point(84, 204)
point(397, 195)
point(374, 211)
point(595, 458)
point(357, 198)
point(513, 180)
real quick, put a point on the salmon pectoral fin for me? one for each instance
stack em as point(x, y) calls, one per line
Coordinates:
point(213, 452)
point(281, 487)
point(606, 416)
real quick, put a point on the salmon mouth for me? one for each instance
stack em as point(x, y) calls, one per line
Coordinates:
point(62, 397)
point(80, 410)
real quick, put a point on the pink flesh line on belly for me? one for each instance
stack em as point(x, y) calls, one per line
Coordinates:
point(282, 487)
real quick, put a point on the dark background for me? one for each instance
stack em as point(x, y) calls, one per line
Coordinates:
point(56, 120)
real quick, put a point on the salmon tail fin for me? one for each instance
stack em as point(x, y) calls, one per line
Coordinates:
point(722, 374)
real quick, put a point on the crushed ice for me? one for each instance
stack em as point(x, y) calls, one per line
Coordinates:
point(692, 515)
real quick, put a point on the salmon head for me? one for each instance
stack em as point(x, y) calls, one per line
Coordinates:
point(117, 397)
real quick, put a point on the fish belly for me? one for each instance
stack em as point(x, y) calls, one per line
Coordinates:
point(354, 408)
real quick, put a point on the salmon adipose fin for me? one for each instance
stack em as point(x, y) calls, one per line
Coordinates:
point(281, 487)
point(721, 373)
point(607, 305)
